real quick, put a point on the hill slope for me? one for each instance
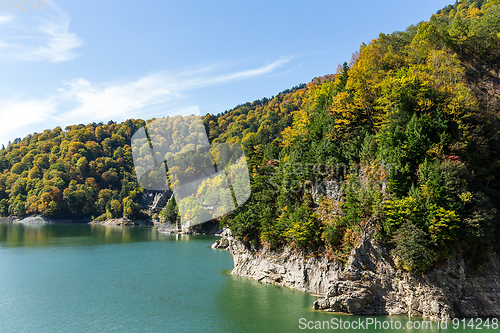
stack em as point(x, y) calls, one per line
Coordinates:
point(403, 140)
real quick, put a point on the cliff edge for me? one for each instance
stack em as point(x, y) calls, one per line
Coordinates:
point(370, 284)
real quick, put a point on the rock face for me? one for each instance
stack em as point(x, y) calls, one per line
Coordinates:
point(154, 201)
point(223, 243)
point(370, 284)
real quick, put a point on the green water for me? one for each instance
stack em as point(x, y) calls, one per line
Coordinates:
point(86, 278)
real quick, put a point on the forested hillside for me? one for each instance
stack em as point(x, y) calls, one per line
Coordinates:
point(404, 139)
point(79, 171)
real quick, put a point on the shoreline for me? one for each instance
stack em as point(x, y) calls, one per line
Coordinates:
point(38, 219)
point(370, 284)
point(122, 222)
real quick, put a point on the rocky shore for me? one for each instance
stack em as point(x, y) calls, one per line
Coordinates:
point(203, 229)
point(122, 221)
point(370, 284)
point(41, 219)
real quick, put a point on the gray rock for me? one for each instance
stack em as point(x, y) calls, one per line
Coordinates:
point(222, 243)
point(371, 284)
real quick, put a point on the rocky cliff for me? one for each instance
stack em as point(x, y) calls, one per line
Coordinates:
point(370, 284)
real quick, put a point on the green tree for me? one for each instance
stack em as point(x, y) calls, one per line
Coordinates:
point(412, 249)
point(115, 209)
point(170, 212)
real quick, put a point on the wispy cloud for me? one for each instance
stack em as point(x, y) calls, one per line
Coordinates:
point(80, 101)
point(132, 99)
point(47, 39)
point(253, 72)
point(115, 101)
point(16, 114)
point(245, 74)
point(6, 18)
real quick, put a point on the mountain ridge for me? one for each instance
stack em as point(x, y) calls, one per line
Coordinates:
point(407, 134)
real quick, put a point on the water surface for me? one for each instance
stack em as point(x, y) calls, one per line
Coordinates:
point(89, 278)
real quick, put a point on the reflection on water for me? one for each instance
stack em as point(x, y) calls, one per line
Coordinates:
point(94, 278)
point(40, 234)
point(291, 309)
point(259, 301)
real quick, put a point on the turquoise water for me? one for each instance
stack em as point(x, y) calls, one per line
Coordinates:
point(86, 278)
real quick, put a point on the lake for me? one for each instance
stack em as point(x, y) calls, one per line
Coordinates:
point(92, 278)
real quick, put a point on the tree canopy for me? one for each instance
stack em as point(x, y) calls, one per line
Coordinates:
point(403, 139)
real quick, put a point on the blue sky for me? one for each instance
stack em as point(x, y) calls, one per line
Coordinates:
point(91, 61)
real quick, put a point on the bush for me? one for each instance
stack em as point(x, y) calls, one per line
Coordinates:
point(412, 249)
point(103, 217)
point(304, 230)
point(170, 212)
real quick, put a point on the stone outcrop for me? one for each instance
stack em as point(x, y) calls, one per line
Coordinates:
point(154, 201)
point(223, 243)
point(122, 221)
point(38, 219)
point(370, 284)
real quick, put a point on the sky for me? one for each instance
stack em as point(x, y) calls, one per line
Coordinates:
point(77, 62)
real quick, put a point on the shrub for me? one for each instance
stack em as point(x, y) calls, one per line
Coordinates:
point(412, 249)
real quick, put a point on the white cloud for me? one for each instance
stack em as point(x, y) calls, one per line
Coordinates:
point(119, 100)
point(253, 72)
point(81, 101)
point(133, 98)
point(199, 82)
point(43, 40)
point(6, 18)
point(16, 114)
